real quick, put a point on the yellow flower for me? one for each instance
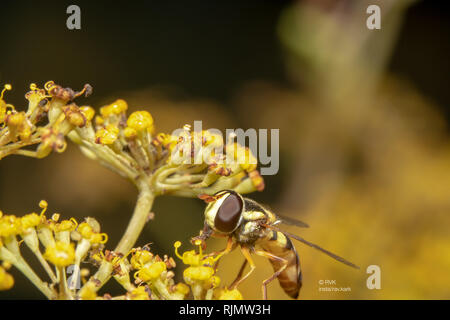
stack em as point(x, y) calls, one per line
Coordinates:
point(99, 238)
point(140, 258)
point(61, 254)
point(212, 282)
point(182, 289)
point(74, 115)
point(88, 292)
point(139, 293)
point(2, 111)
point(6, 280)
point(66, 225)
point(19, 125)
point(87, 232)
point(10, 226)
point(88, 112)
point(3, 105)
point(117, 107)
point(195, 259)
point(107, 135)
point(191, 258)
point(30, 221)
point(99, 121)
point(230, 295)
point(151, 272)
point(129, 133)
point(51, 140)
point(140, 121)
point(200, 273)
point(200, 267)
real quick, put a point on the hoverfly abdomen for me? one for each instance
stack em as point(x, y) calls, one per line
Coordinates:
point(291, 277)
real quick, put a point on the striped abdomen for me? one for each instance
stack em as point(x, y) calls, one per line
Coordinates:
point(281, 246)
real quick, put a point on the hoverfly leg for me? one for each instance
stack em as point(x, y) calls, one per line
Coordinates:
point(241, 272)
point(276, 274)
point(248, 258)
point(203, 236)
point(230, 247)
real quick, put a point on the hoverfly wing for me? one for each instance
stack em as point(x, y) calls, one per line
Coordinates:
point(280, 219)
point(292, 221)
point(315, 246)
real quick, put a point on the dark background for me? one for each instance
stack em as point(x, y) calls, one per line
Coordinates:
point(207, 48)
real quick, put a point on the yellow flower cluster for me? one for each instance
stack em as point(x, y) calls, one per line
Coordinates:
point(186, 163)
point(20, 128)
point(201, 275)
point(65, 243)
point(153, 273)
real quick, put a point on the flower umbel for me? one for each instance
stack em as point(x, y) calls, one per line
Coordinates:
point(186, 164)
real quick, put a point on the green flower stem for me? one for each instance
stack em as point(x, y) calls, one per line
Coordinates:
point(136, 225)
point(162, 290)
point(209, 294)
point(46, 266)
point(23, 267)
point(31, 239)
point(11, 253)
point(64, 292)
point(185, 179)
point(197, 291)
point(138, 220)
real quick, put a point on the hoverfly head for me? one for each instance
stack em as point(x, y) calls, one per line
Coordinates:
point(224, 210)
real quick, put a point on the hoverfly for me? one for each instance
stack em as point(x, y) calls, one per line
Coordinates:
point(254, 229)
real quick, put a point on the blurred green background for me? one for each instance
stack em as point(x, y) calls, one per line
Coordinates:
point(363, 118)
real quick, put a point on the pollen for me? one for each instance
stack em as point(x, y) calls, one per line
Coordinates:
point(107, 135)
point(141, 258)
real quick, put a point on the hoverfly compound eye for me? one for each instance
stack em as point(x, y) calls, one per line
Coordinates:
point(229, 213)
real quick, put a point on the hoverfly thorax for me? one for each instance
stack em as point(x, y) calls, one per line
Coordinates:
point(224, 213)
